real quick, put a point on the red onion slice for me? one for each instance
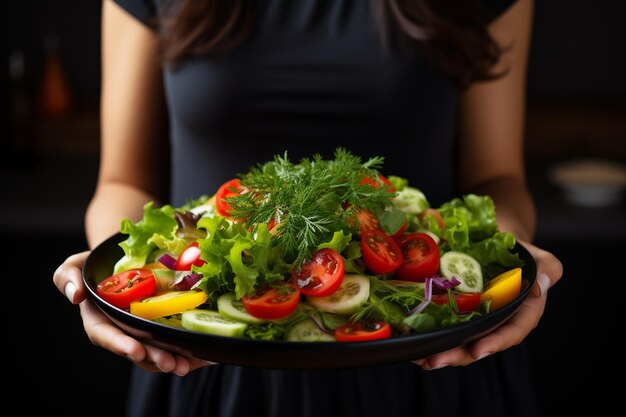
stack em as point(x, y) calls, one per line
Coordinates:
point(428, 291)
point(186, 281)
point(168, 260)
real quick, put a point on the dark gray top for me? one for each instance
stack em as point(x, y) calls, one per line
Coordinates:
point(313, 76)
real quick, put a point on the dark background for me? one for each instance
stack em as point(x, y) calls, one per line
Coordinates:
point(576, 108)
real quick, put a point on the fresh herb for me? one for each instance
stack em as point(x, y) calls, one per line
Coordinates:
point(310, 200)
point(389, 303)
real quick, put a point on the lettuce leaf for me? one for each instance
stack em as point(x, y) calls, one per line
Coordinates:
point(156, 226)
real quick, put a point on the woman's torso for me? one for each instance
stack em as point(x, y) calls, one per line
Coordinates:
point(312, 77)
point(315, 76)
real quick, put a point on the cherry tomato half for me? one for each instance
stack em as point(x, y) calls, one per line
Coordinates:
point(272, 302)
point(120, 289)
point(228, 189)
point(421, 257)
point(362, 331)
point(321, 275)
point(465, 301)
point(367, 221)
point(380, 252)
point(189, 256)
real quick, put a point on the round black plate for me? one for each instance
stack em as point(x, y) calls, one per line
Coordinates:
point(293, 355)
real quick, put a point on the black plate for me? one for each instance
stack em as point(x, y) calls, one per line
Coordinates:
point(293, 355)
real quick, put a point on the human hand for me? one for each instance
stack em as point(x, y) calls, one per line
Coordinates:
point(103, 333)
point(511, 333)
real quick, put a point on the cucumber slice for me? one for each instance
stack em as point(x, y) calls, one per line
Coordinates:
point(209, 321)
point(465, 268)
point(411, 200)
point(351, 294)
point(307, 331)
point(233, 309)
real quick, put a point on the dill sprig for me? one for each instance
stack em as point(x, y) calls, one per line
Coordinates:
point(309, 200)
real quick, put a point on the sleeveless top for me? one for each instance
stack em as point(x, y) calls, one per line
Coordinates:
point(313, 76)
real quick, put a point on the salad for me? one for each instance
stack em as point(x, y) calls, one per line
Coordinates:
point(318, 250)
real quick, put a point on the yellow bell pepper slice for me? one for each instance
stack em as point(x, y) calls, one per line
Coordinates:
point(168, 303)
point(502, 289)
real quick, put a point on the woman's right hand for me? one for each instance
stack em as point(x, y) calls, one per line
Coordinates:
point(103, 333)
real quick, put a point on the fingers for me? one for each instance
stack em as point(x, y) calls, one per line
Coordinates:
point(549, 269)
point(513, 331)
point(68, 278)
point(103, 333)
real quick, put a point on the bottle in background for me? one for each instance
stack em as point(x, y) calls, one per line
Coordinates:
point(55, 98)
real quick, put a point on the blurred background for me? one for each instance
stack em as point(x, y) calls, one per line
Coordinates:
point(49, 139)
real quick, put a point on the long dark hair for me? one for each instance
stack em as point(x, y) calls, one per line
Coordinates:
point(451, 34)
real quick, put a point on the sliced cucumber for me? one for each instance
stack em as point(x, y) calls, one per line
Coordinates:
point(307, 331)
point(351, 294)
point(465, 268)
point(411, 200)
point(233, 309)
point(209, 321)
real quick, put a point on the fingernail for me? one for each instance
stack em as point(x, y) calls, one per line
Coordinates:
point(438, 366)
point(130, 358)
point(70, 290)
point(484, 355)
point(544, 282)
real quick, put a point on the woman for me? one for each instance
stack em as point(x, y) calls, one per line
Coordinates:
point(194, 93)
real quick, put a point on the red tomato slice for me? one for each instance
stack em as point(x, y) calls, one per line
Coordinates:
point(465, 301)
point(367, 221)
point(272, 302)
point(189, 256)
point(381, 253)
point(228, 189)
point(362, 331)
point(120, 289)
point(421, 257)
point(321, 275)
point(436, 215)
point(376, 184)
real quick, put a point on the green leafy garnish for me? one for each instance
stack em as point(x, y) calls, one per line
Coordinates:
point(309, 201)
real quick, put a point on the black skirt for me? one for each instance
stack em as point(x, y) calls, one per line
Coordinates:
point(499, 385)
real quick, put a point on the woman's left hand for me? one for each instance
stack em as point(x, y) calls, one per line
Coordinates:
point(511, 333)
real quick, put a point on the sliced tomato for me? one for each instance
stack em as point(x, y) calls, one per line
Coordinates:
point(381, 253)
point(321, 275)
point(367, 221)
point(376, 184)
point(123, 288)
point(435, 214)
point(465, 301)
point(421, 257)
point(272, 302)
point(189, 256)
point(362, 331)
point(228, 189)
